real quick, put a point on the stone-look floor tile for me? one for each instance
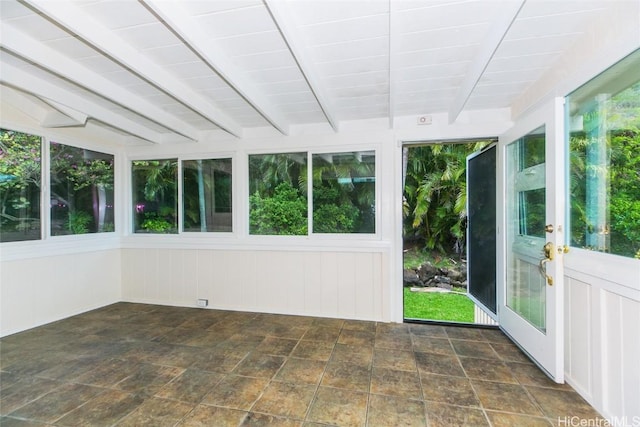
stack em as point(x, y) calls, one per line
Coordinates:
point(259, 365)
point(240, 343)
point(353, 354)
point(16, 422)
point(212, 416)
point(478, 349)
point(72, 369)
point(206, 339)
point(285, 400)
point(394, 359)
point(314, 350)
point(392, 329)
point(218, 360)
point(432, 363)
point(287, 332)
point(57, 403)
point(395, 383)
point(359, 325)
point(23, 391)
point(157, 412)
point(266, 420)
point(191, 386)
point(562, 403)
point(510, 353)
point(426, 344)
point(180, 356)
point(487, 370)
point(391, 411)
point(427, 330)
point(505, 397)
point(236, 392)
point(347, 376)
point(495, 335)
point(276, 346)
point(328, 322)
point(529, 374)
point(104, 410)
point(458, 333)
point(107, 373)
point(150, 352)
point(451, 390)
point(322, 333)
point(148, 379)
point(402, 342)
point(357, 338)
point(443, 415)
point(301, 371)
point(501, 419)
point(339, 407)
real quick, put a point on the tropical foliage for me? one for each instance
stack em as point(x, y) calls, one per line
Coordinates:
point(155, 191)
point(435, 195)
point(19, 186)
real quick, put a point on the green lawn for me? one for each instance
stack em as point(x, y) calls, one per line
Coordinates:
point(437, 306)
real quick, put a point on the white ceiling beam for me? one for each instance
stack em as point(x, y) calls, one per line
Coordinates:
point(73, 116)
point(488, 48)
point(185, 26)
point(71, 17)
point(32, 50)
point(17, 78)
point(286, 25)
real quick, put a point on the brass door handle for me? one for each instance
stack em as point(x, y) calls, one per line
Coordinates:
point(549, 252)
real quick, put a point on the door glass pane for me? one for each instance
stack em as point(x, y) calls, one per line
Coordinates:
point(604, 154)
point(526, 287)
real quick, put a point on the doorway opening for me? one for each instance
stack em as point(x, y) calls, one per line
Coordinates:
point(436, 274)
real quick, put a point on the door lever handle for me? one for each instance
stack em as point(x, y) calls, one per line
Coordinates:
point(549, 252)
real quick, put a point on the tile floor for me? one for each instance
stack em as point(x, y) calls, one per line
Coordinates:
point(136, 365)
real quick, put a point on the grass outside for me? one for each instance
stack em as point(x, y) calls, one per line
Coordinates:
point(438, 306)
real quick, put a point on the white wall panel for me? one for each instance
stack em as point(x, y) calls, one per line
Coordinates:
point(41, 290)
point(603, 343)
point(332, 284)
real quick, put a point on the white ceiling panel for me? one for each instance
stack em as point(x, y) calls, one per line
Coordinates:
point(282, 62)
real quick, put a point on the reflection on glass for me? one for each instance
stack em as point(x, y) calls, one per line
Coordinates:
point(206, 195)
point(604, 155)
point(154, 186)
point(525, 215)
point(19, 186)
point(81, 190)
point(344, 192)
point(532, 212)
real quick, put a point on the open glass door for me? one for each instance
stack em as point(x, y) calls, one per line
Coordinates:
point(530, 292)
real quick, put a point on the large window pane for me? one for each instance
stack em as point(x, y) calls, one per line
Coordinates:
point(344, 192)
point(206, 189)
point(19, 186)
point(155, 196)
point(81, 190)
point(604, 145)
point(277, 194)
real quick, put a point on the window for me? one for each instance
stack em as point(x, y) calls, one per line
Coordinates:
point(206, 195)
point(344, 192)
point(81, 190)
point(20, 177)
point(278, 194)
point(604, 147)
point(155, 196)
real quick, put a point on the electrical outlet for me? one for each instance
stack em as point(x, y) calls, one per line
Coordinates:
point(202, 302)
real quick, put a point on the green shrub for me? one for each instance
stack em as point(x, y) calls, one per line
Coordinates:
point(284, 213)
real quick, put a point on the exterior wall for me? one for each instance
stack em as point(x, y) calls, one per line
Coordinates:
point(36, 291)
